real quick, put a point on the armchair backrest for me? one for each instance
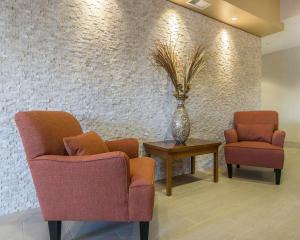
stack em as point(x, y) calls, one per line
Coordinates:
point(256, 117)
point(42, 132)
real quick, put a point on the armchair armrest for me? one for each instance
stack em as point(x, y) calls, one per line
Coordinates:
point(231, 135)
point(82, 187)
point(141, 190)
point(278, 138)
point(130, 146)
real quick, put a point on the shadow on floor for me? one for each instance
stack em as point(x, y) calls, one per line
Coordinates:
point(253, 174)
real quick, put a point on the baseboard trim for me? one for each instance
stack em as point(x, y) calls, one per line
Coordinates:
point(292, 144)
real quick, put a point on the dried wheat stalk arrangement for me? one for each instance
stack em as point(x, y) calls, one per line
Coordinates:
point(164, 55)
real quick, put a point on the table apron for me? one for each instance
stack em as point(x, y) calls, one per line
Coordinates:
point(181, 155)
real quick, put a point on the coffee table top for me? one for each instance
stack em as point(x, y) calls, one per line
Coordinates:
point(171, 146)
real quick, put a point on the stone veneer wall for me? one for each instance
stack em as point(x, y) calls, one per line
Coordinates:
point(90, 57)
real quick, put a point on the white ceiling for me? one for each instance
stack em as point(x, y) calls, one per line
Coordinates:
point(290, 37)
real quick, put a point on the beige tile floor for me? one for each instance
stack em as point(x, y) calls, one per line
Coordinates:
point(247, 207)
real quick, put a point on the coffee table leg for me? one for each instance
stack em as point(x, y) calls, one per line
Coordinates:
point(216, 166)
point(193, 158)
point(169, 176)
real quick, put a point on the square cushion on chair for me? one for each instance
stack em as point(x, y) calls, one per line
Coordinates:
point(258, 154)
point(89, 143)
point(255, 132)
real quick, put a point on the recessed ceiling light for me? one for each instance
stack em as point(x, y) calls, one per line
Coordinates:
point(234, 18)
point(201, 4)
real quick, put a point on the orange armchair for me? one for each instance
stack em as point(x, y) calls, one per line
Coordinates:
point(113, 186)
point(255, 141)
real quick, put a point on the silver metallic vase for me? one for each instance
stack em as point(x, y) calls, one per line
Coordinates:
point(181, 123)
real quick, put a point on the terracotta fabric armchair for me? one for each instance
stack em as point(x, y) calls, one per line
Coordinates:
point(113, 186)
point(255, 148)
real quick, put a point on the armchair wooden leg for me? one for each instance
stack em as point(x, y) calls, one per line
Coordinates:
point(238, 166)
point(229, 169)
point(144, 230)
point(277, 176)
point(55, 230)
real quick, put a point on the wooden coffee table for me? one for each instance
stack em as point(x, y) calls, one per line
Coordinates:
point(170, 151)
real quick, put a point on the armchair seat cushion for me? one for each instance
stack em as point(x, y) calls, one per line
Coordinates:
point(259, 154)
